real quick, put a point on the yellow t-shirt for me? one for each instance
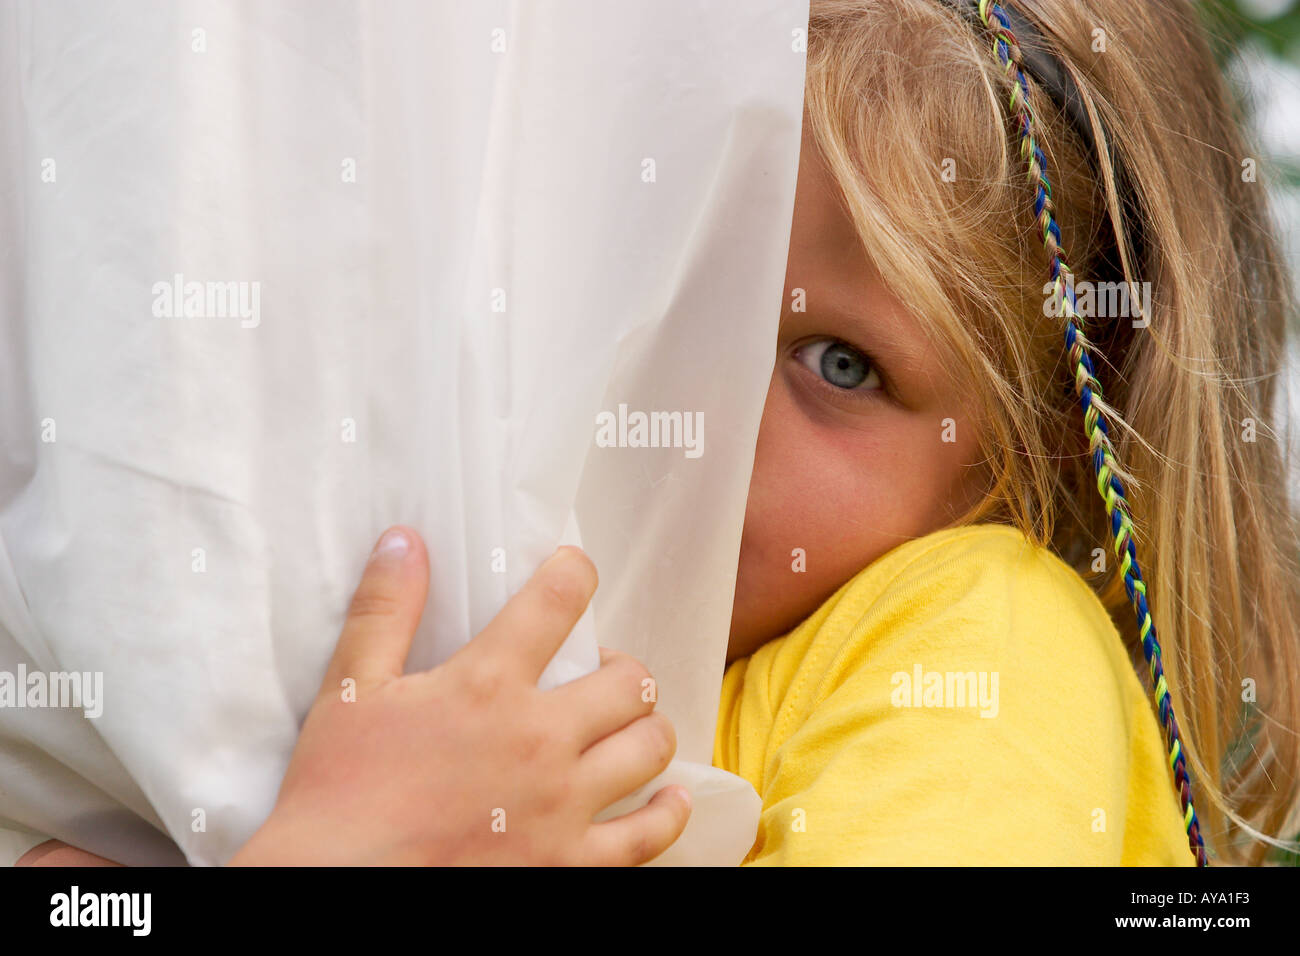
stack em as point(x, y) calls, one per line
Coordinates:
point(963, 700)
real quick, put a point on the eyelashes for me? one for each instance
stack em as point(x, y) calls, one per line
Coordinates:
point(840, 365)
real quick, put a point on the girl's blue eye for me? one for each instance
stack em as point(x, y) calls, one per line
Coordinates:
point(841, 365)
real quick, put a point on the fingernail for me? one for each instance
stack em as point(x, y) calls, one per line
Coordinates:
point(394, 544)
point(555, 554)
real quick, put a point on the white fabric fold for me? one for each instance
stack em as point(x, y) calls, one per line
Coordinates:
point(279, 275)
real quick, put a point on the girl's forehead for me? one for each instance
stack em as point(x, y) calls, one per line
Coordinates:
point(841, 286)
point(822, 229)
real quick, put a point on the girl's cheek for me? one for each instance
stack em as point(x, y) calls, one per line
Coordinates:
point(861, 499)
point(842, 481)
point(831, 493)
point(825, 501)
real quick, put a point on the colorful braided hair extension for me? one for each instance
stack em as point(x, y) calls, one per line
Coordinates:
point(1031, 57)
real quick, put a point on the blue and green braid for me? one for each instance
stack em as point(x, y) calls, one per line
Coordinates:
point(1080, 351)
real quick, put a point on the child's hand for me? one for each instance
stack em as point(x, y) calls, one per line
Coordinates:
point(471, 763)
point(58, 853)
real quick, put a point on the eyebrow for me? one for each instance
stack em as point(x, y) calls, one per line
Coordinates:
point(887, 345)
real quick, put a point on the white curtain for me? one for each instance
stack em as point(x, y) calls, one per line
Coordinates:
point(277, 275)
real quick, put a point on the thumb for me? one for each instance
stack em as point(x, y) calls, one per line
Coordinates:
point(384, 614)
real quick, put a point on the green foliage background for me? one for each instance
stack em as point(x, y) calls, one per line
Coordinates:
point(1280, 33)
point(1273, 28)
point(1253, 23)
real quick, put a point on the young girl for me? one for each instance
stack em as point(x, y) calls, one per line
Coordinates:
point(922, 383)
point(961, 558)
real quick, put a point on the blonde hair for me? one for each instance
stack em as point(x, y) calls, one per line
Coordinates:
point(900, 92)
